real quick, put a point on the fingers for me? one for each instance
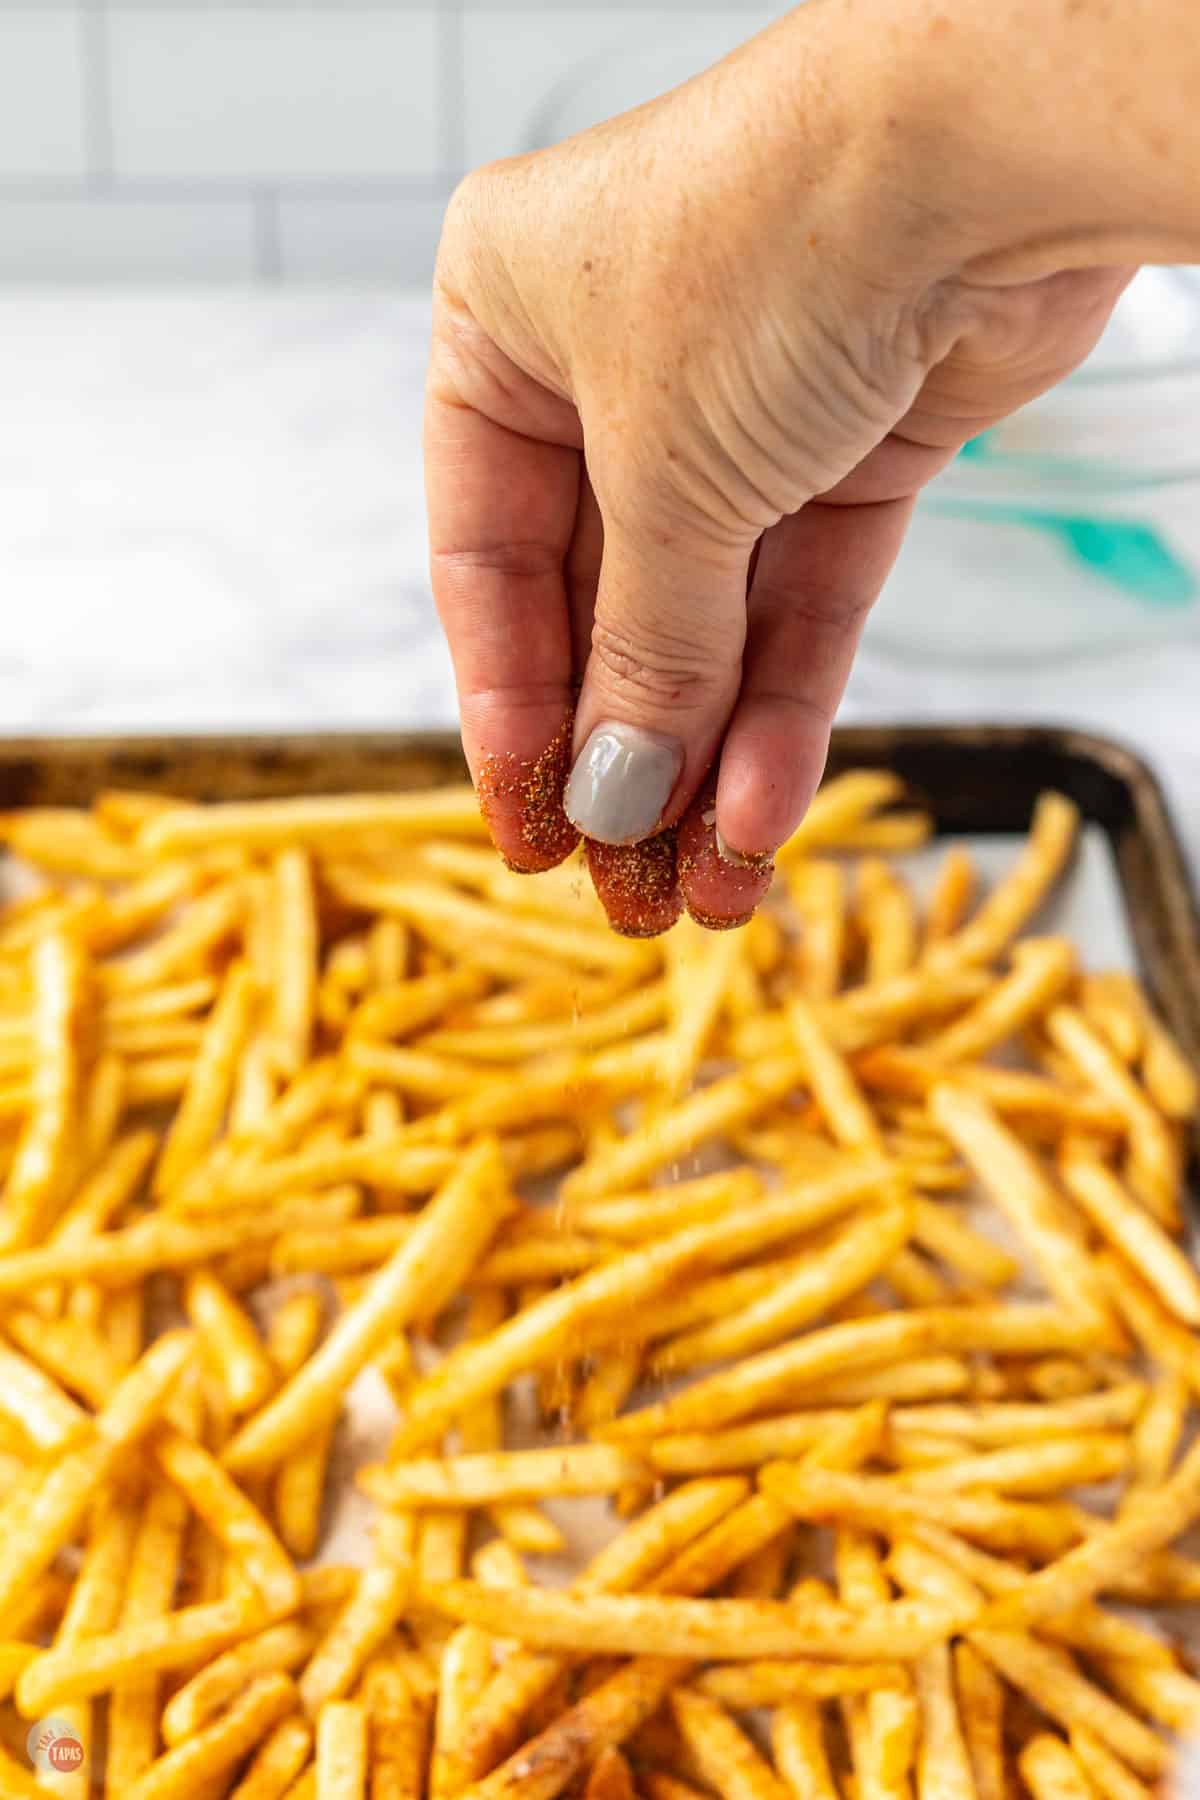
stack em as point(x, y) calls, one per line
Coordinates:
point(817, 574)
point(662, 676)
point(502, 509)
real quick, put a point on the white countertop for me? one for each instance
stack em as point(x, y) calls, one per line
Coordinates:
point(211, 518)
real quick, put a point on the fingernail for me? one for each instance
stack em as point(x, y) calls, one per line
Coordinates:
point(728, 854)
point(621, 782)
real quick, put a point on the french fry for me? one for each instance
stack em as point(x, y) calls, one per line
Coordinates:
point(1127, 1226)
point(349, 819)
point(841, 805)
point(426, 1269)
point(721, 1751)
point(981, 1711)
point(1168, 1695)
point(133, 1713)
point(280, 1648)
point(1153, 1164)
point(100, 1663)
point(664, 1625)
point(1049, 1678)
point(36, 1186)
point(474, 1370)
point(798, 1746)
point(380, 1596)
point(231, 1340)
point(951, 895)
point(867, 1246)
point(466, 1665)
point(221, 1745)
point(231, 1517)
point(875, 1503)
point(210, 1082)
point(777, 1683)
point(1041, 970)
point(846, 1112)
point(280, 1758)
point(761, 1380)
point(34, 1402)
point(397, 1725)
point(294, 960)
point(341, 1772)
point(1021, 1190)
point(1158, 1430)
point(1107, 1773)
point(886, 916)
point(60, 1497)
point(610, 1778)
point(506, 1475)
point(1046, 1466)
point(818, 895)
point(1050, 1771)
point(943, 1765)
point(1019, 894)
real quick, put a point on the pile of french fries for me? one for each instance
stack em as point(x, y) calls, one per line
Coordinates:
point(784, 1337)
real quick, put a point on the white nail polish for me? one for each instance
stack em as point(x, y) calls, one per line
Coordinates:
point(621, 781)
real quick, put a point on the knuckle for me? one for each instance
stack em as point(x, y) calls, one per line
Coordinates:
point(657, 667)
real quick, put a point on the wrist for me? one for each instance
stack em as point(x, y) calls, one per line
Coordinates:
point(1044, 135)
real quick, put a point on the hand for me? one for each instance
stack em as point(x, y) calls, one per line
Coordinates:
point(689, 372)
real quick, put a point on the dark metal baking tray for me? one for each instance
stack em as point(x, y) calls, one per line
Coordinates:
point(974, 779)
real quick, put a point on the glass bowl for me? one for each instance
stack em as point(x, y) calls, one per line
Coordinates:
point(1072, 529)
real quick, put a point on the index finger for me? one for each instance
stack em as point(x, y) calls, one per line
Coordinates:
point(501, 508)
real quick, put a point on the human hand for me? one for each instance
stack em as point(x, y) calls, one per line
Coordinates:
point(689, 371)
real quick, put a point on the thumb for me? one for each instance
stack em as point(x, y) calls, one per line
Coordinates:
point(661, 678)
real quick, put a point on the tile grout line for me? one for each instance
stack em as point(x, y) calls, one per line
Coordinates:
point(268, 246)
point(451, 82)
point(97, 92)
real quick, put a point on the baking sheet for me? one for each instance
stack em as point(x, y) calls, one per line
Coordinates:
point(1088, 907)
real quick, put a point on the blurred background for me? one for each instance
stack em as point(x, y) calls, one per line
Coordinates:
point(216, 141)
point(218, 221)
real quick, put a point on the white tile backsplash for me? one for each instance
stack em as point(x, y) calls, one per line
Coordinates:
point(300, 140)
point(365, 237)
point(533, 76)
point(41, 92)
point(113, 238)
point(264, 93)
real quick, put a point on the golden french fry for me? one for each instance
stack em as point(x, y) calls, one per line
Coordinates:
point(220, 1746)
point(231, 1517)
point(37, 1181)
point(722, 1752)
point(279, 1760)
point(503, 1475)
point(61, 1496)
point(865, 1249)
point(761, 1380)
point(397, 1725)
point(1024, 1194)
point(281, 1647)
point(341, 1772)
point(1107, 1773)
point(1041, 970)
point(981, 1710)
point(465, 1667)
point(1168, 1695)
point(876, 1503)
point(766, 1683)
point(664, 1625)
point(842, 804)
point(818, 896)
point(1050, 1771)
point(1128, 1227)
point(230, 1338)
point(343, 819)
point(1017, 897)
point(369, 1614)
point(1158, 1430)
point(133, 1722)
point(100, 1663)
point(1153, 1169)
point(887, 918)
point(34, 1402)
point(422, 1274)
point(476, 1369)
point(1050, 1679)
point(951, 895)
point(294, 959)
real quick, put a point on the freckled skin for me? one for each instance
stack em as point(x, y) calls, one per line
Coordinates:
point(669, 487)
